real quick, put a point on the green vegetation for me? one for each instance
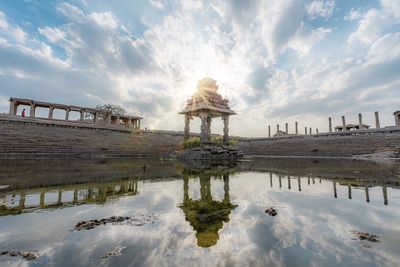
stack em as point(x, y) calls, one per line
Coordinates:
point(195, 142)
point(191, 143)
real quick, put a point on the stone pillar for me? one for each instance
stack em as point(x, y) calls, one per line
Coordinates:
point(316, 130)
point(12, 108)
point(287, 128)
point(334, 190)
point(299, 182)
point(203, 127)
point(397, 118)
point(82, 114)
point(310, 131)
point(305, 130)
point(51, 111)
point(296, 127)
point(187, 127)
point(360, 121)
point(330, 124)
point(349, 191)
point(277, 128)
point(289, 185)
point(226, 188)
point(385, 197)
point(96, 117)
point(344, 123)
point(226, 128)
point(270, 178)
point(108, 118)
point(67, 114)
point(32, 110)
point(366, 193)
point(269, 131)
point(377, 120)
point(139, 124)
point(209, 127)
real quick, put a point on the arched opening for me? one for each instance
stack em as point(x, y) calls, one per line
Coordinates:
point(74, 116)
point(41, 112)
point(27, 108)
point(59, 114)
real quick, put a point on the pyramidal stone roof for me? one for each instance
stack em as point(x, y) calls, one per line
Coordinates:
point(207, 99)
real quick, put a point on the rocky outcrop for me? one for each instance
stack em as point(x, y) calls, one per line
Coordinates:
point(209, 153)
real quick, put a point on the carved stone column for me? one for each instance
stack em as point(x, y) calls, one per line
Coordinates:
point(344, 123)
point(377, 120)
point(360, 127)
point(96, 117)
point(187, 127)
point(51, 111)
point(209, 128)
point(32, 110)
point(226, 128)
point(330, 125)
point(82, 114)
point(67, 114)
point(12, 108)
point(203, 127)
point(286, 128)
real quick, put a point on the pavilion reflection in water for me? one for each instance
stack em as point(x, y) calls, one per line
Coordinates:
point(359, 184)
point(23, 201)
point(206, 215)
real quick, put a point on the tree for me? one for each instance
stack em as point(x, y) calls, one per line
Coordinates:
point(115, 109)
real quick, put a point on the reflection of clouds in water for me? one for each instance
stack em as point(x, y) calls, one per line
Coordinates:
point(312, 228)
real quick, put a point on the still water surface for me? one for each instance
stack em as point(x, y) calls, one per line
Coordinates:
point(213, 217)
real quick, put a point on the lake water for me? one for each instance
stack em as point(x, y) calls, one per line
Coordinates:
point(210, 216)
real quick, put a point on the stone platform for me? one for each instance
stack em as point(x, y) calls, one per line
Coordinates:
point(209, 153)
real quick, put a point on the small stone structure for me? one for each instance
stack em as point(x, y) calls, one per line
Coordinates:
point(397, 117)
point(100, 116)
point(206, 104)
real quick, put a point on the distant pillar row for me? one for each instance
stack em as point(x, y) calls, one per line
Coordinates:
point(99, 116)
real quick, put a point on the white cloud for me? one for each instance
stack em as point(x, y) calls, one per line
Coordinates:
point(354, 14)
point(321, 8)
point(11, 32)
point(305, 39)
point(105, 20)
point(157, 3)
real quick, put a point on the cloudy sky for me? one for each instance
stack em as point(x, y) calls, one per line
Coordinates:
point(276, 61)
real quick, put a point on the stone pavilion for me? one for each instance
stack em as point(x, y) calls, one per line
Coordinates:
point(207, 104)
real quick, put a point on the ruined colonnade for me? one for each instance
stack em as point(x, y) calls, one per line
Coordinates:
point(96, 115)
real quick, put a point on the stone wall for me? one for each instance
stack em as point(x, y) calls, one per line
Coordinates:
point(24, 140)
point(335, 145)
point(32, 139)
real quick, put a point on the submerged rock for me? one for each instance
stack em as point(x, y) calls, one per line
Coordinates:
point(115, 220)
point(27, 255)
point(271, 211)
point(365, 236)
point(116, 252)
